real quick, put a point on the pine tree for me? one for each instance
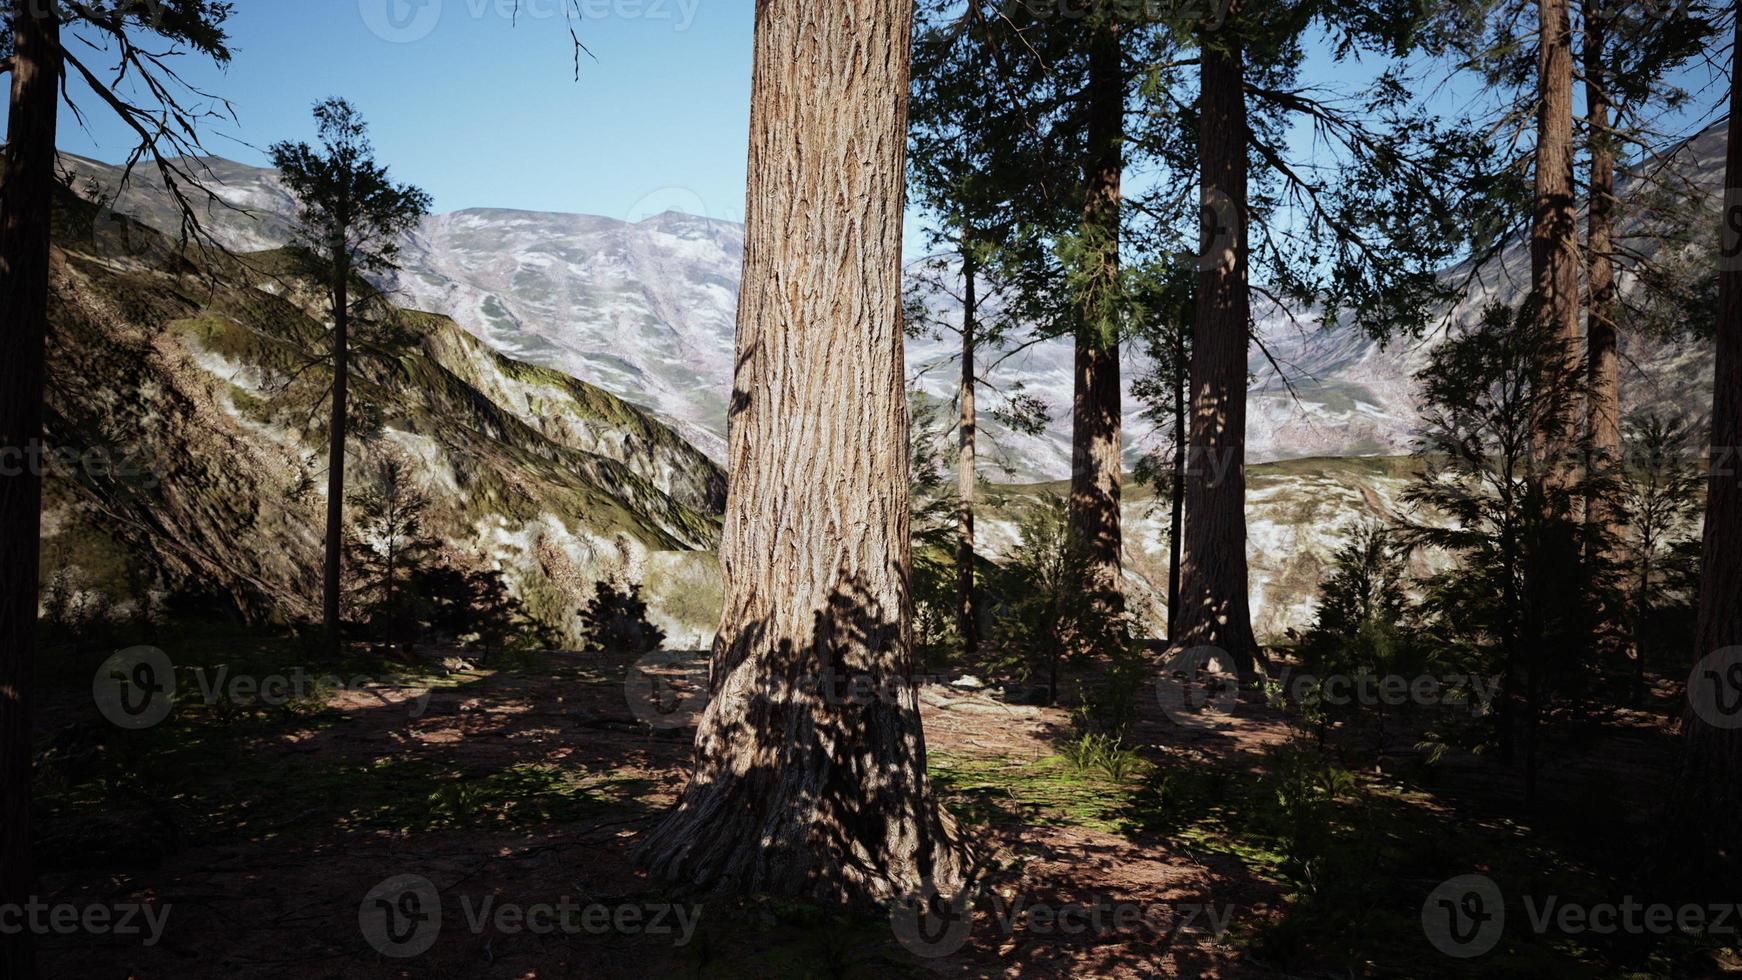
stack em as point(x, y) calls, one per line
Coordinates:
point(967, 169)
point(1498, 399)
point(615, 620)
point(392, 543)
point(1656, 505)
point(1164, 299)
point(350, 219)
point(1378, 203)
point(42, 45)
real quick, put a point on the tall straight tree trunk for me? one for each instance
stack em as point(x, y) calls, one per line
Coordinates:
point(967, 625)
point(1554, 235)
point(25, 214)
point(1176, 517)
point(1096, 467)
point(1711, 783)
point(1603, 424)
point(330, 612)
point(810, 768)
point(1214, 608)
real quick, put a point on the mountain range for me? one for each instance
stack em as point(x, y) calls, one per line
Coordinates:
point(645, 309)
point(567, 398)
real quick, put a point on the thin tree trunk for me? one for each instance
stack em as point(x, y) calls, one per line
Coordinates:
point(25, 216)
point(1181, 394)
point(388, 596)
point(330, 611)
point(1711, 783)
point(1554, 237)
point(967, 625)
point(800, 786)
point(1641, 612)
point(1214, 608)
point(1604, 422)
point(1096, 466)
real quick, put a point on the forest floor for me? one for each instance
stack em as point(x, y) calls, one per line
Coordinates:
point(261, 835)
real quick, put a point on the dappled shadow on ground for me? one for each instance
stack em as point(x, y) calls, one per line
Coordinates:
point(1333, 851)
point(264, 831)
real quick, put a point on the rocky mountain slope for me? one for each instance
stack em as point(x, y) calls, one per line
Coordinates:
point(191, 472)
point(645, 310)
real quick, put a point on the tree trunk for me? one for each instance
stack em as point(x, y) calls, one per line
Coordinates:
point(1181, 393)
point(1641, 616)
point(1214, 608)
point(1711, 784)
point(330, 611)
point(25, 215)
point(1096, 467)
point(387, 597)
point(967, 626)
point(1554, 236)
point(1603, 424)
point(810, 767)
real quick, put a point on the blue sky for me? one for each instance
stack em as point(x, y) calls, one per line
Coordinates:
point(482, 111)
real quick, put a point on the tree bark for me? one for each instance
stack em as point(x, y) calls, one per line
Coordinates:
point(1603, 425)
point(1181, 393)
point(330, 610)
point(1711, 783)
point(25, 219)
point(1096, 467)
point(967, 625)
point(1554, 237)
point(810, 767)
point(1214, 607)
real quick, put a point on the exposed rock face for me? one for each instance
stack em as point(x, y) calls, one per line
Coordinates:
point(169, 368)
point(564, 481)
point(1298, 513)
point(645, 309)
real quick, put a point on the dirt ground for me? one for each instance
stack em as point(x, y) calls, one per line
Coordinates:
point(266, 836)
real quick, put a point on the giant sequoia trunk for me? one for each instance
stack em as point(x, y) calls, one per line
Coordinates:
point(810, 769)
point(967, 622)
point(24, 255)
point(1213, 608)
point(1096, 468)
point(330, 612)
point(1603, 422)
point(1712, 775)
point(1554, 235)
